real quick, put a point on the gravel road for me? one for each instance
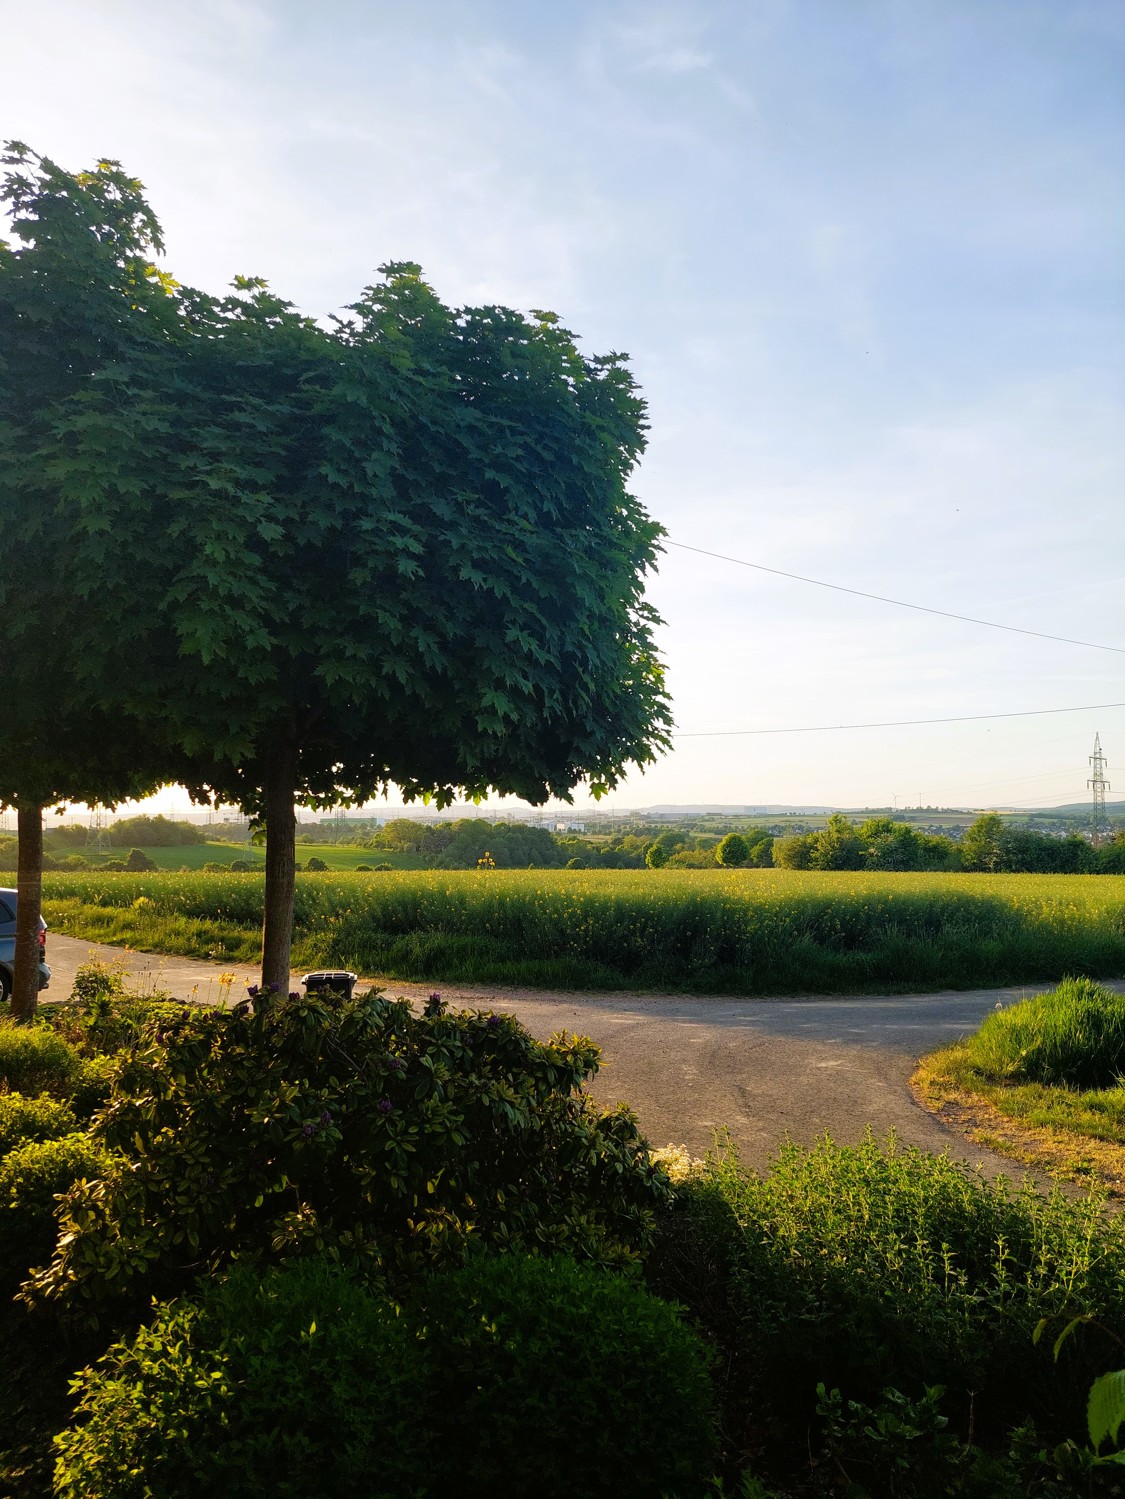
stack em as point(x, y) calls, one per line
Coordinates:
point(764, 1068)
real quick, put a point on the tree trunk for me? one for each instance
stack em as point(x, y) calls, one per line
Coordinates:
point(281, 856)
point(29, 899)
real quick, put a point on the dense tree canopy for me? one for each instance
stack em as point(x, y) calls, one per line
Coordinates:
point(316, 560)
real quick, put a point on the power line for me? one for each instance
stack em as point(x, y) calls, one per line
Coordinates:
point(899, 723)
point(879, 598)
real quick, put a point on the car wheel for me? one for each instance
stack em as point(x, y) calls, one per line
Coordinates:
point(5, 987)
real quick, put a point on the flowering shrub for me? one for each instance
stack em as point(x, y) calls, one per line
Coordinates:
point(291, 1126)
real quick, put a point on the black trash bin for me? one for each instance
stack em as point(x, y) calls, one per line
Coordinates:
point(330, 981)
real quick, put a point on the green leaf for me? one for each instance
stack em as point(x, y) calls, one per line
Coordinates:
point(1106, 1408)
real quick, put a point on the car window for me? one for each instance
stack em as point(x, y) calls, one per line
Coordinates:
point(6, 912)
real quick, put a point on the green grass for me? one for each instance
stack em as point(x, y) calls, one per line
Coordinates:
point(736, 932)
point(1053, 1063)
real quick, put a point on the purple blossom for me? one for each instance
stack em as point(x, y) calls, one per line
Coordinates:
point(308, 1131)
point(326, 1117)
point(493, 1022)
point(385, 1106)
point(253, 990)
point(274, 988)
point(241, 1008)
point(396, 1064)
point(294, 994)
point(435, 998)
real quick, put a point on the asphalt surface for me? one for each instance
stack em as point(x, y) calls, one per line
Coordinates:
point(762, 1068)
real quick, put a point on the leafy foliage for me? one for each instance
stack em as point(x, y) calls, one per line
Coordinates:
point(33, 1059)
point(31, 1178)
point(873, 1265)
point(305, 1384)
point(299, 1125)
point(24, 1120)
point(733, 851)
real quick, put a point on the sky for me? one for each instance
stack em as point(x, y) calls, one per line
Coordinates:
point(866, 257)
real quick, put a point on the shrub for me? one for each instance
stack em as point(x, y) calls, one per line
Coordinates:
point(363, 869)
point(1073, 1037)
point(139, 863)
point(305, 1124)
point(33, 1119)
point(33, 1059)
point(298, 1384)
point(240, 866)
point(315, 865)
point(519, 1350)
point(305, 1384)
point(31, 1178)
point(870, 1265)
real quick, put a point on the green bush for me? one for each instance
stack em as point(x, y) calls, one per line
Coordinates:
point(33, 1059)
point(513, 1376)
point(31, 1178)
point(301, 1385)
point(1073, 1037)
point(871, 1266)
point(298, 1125)
point(23, 1120)
point(315, 865)
point(521, 1351)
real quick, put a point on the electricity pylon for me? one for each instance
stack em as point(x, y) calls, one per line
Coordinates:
point(1100, 824)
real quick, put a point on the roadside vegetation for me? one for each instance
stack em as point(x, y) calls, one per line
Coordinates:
point(1054, 1067)
point(734, 932)
point(314, 1247)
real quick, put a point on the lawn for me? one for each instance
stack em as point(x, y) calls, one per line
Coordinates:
point(736, 932)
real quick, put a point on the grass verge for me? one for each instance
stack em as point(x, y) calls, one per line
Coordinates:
point(1017, 1085)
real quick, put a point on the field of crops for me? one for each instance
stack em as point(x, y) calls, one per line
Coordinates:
point(736, 932)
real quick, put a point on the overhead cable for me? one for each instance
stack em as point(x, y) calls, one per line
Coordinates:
point(898, 723)
point(879, 598)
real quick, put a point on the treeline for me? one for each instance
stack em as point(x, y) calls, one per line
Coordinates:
point(465, 843)
point(129, 832)
point(988, 846)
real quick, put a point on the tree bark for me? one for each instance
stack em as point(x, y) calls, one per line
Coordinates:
point(281, 857)
point(29, 899)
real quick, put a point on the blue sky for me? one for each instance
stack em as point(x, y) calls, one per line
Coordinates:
point(867, 259)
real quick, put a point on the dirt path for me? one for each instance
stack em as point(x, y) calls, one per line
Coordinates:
point(688, 1064)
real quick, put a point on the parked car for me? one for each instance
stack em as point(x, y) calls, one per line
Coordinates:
point(8, 945)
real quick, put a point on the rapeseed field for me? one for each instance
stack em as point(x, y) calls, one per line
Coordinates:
point(737, 932)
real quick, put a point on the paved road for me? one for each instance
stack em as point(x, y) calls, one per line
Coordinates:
point(764, 1068)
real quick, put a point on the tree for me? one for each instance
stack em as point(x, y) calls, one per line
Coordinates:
point(982, 844)
point(733, 851)
point(837, 845)
point(397, 550)
point(76, 292)
point(656, 855)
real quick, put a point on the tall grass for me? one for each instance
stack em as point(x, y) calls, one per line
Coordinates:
point(1073, 1037)
point(744, 932)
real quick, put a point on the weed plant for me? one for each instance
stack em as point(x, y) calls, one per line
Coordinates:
point(873, 1266)
point(737, 932)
